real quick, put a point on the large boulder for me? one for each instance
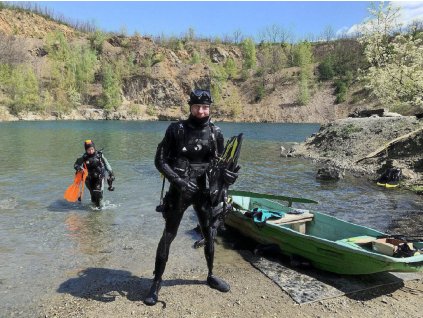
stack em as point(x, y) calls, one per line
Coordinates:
point(329, 174)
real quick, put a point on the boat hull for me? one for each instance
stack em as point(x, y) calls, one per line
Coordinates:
point(328, 254)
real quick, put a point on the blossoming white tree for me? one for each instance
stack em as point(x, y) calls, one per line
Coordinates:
point(395, 74)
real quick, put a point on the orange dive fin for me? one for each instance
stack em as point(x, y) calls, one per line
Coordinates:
point(82, 187)
point(73, 192)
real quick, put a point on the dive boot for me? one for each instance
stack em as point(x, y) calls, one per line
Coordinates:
point(218, 283)
point(153, 294)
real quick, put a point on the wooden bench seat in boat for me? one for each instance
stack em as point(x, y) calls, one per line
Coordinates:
point(297, 221)
point(293, 218)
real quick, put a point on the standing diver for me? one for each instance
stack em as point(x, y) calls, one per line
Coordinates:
point(183, 157)
point(97, 165)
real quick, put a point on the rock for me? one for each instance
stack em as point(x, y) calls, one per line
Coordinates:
point(409, 174)
point(390, 114)
point(329, 173)
point(175, 58)
point(218, 55)
point(235, 53)
point(360, 113)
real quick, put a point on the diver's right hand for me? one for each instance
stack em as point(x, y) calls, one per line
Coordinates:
point(185, 186)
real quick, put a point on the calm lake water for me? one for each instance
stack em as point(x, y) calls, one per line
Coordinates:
point(46, 241)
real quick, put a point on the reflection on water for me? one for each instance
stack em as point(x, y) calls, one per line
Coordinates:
point(46, 240)
point(90, 231)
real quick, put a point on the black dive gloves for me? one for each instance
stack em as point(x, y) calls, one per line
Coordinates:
point(230, 177)
point(110, 180)
point(185, 186)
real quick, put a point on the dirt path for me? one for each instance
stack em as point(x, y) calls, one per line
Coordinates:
point(252, 295)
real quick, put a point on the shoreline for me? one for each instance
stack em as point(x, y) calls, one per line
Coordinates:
point(125, 113)
point(366, 147)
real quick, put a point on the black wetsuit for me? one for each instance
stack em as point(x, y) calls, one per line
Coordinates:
point(97, 165)
point(186, 152)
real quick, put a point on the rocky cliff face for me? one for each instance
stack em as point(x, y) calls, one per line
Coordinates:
point(162, 76)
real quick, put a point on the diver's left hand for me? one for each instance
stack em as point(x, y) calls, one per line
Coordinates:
point(229, 177)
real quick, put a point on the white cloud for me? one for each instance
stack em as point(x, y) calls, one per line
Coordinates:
point(410, 11)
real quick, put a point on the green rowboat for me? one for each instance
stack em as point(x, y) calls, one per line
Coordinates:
point(327, 242)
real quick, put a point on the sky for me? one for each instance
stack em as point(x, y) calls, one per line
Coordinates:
point(219, 18)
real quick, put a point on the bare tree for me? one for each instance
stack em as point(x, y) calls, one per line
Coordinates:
point(285, 36)
point(237, 36)
point(328, 33)
point(275, 34)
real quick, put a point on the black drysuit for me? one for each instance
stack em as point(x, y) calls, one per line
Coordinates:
point(183, 156)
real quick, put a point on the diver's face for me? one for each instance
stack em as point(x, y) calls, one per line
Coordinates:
point(200, 110)
point(90, 150)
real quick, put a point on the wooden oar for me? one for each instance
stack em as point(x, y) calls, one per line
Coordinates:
point(290, 200)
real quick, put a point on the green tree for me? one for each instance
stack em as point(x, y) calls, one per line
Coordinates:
point(395, 74)
point(24, 89)
point(305, 62)
point(85, 61)
point(230, 68)
point(73, 68)
point(110, 99)
point(272, 57)
point(249, 54)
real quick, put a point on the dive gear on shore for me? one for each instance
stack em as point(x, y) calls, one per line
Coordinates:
point(390, 178)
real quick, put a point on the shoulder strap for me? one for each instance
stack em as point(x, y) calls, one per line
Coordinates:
point(213, 138)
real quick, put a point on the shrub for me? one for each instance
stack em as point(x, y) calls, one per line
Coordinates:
point(196, 58)
point(326, 69)
point(260, 92)
point(341, 90)
point(151, 110)
point(97, 39)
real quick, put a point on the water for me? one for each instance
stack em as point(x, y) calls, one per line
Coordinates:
point(46, 241)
